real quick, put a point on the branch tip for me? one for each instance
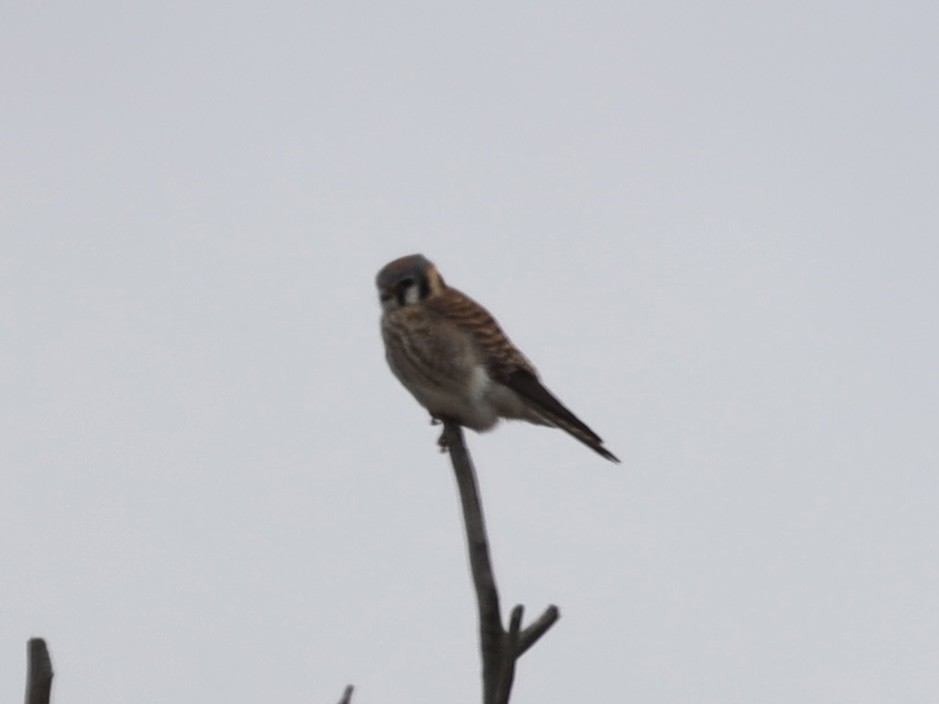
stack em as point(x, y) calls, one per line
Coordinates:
point(347, 695)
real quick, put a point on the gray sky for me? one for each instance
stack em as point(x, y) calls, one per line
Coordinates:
point(713, 227)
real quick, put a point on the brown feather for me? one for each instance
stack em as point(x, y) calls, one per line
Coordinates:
point(526, 384)
point(500, 355)
point(508, 366)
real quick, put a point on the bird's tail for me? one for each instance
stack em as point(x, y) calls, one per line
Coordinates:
point(554, 413)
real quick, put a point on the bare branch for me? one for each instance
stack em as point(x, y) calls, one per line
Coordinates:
point(509, 656)
point(500, 649)
point(38, 672)
point(487, 597)
point(535, 630)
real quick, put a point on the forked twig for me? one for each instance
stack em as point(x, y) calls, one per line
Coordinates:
point(500, 649)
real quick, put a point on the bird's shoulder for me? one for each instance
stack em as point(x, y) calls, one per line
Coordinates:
point(501, 357)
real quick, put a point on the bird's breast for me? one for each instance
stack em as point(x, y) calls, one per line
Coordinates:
point(441, 369)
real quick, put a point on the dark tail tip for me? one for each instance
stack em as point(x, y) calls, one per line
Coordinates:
point(603, 452)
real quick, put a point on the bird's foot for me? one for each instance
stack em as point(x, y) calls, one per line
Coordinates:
point(443, 442)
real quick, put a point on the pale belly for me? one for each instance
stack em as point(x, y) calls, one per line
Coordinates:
point(469, 404)
point(478, 404)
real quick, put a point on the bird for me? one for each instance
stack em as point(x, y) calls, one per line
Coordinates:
point(451, 354)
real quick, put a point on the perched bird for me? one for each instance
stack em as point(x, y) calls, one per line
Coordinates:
point(453, 357)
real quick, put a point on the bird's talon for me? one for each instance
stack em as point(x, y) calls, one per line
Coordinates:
point(442, 442)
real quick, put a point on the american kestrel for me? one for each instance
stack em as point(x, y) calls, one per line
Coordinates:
point(453, 357)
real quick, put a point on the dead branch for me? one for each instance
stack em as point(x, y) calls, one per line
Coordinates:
point(38, 672)
point(500, 648)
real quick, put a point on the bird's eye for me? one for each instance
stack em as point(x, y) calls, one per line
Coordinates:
point(406, 282)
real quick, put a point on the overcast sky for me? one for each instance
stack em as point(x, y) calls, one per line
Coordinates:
point(714, 227)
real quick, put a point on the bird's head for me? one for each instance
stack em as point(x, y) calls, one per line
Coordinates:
point(407, 281)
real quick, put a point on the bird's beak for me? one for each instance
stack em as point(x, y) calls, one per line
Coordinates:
point(385, 293)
